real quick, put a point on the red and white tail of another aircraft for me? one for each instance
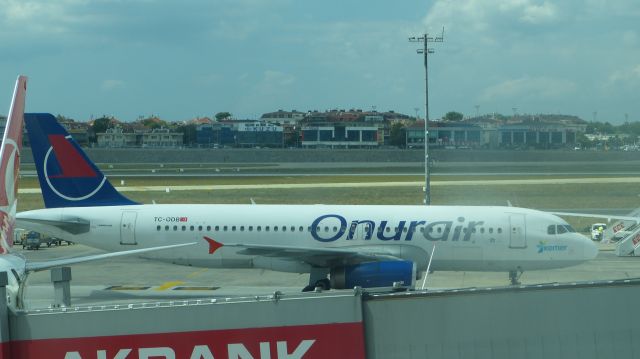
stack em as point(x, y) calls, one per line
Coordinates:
point(341, 246)
point(16, 267)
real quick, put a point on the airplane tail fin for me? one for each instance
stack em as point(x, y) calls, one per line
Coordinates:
point(10, 164)
point(68, 178)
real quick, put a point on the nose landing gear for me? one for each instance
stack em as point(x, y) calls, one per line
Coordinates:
point(514, 276)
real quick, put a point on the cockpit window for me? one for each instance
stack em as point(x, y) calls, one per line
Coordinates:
point(551, 229)
point(561, 229)
point(569, 228)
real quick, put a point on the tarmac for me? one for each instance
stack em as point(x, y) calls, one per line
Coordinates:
point(132, 279)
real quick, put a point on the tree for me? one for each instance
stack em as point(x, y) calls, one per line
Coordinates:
point(453, 116)
point(222, 116)
point(101, 125)
point(397, 135)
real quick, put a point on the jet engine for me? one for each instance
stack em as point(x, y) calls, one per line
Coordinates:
point(373, 274)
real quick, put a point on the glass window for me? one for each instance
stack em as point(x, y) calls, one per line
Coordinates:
point(275, 228)
point(561, 229)
point(259, 228)
point(184, 228)
point(551, 229)
point(200, 228)
point(569, 228)
point(491, 230)
point(208, 228)
point(166, 228)
point(191, 228)
point(241, 228)
point(217, 228)
point(300, 229)
point(499, 230)
point(158, 227)
point(175, 228)
point(250, 228)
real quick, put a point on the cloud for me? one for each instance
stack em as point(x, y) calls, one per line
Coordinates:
point(528, 88)
point(274, 78)
point(109, 85)
point(627, 78)
point(490, 15)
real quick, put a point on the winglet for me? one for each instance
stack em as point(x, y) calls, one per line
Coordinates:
point(213, 245)
point(10, 164)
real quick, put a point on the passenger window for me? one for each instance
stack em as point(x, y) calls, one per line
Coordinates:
point(259, 228)
point(208, 228)
point(233, 228)
point(175, 228)
point(166, 228)
point(293, 229)
point(284, 228)
point(301, 229)
point(191, 228)
point(491, 230)
point(241, 228)
point(266, 228)
point(499, 230)
point(200, 228)
point(158, 228)
point(184, 228)
point(551, 229)
point(275, 228)
point(250, 228)
point(217, 228)
point(224, 228)
point(482, 230)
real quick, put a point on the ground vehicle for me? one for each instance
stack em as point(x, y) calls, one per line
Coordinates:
point(31, 240)
point(597, 229)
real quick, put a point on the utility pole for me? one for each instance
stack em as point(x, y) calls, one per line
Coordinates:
point(425, 50)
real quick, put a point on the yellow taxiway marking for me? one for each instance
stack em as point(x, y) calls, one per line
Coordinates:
point(168, 285)
point(197, 273)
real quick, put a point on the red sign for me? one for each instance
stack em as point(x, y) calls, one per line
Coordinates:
point(183, 219)
point(338, 340)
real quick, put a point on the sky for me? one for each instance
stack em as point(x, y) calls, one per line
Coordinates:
point(185, 59)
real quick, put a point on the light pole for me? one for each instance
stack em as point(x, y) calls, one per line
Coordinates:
point(425, 50)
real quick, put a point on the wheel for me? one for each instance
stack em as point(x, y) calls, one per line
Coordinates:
point(324, 284)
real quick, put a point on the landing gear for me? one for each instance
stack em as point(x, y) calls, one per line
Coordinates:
point(514, 276)
point(318, 278)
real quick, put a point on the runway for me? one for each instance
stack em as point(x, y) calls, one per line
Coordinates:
point(488, 182)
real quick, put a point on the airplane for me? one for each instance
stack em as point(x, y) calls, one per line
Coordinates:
point(340, 246)
point(14, 264)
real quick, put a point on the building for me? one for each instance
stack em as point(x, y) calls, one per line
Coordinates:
point(162, 137)
point(116, 137)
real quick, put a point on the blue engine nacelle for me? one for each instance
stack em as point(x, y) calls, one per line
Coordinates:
point(374, 274)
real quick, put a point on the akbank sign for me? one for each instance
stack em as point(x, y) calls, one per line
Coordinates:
point(331, 227)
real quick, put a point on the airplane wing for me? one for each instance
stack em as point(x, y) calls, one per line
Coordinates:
point(322, 257)
point(39, 266)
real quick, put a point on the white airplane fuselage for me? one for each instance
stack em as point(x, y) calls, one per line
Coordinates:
point(466, 238)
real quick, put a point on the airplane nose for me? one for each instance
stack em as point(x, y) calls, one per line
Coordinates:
point(590, 249)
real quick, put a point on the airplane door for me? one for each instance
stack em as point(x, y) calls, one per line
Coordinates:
point(128, 228)
point(517, 231)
